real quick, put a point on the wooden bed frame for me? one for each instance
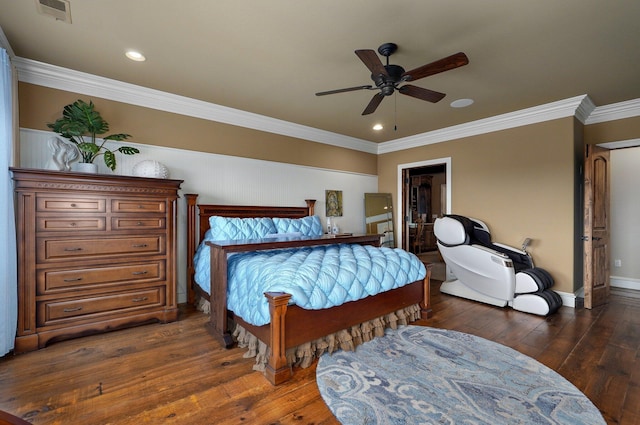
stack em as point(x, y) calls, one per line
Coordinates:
point(290, 325)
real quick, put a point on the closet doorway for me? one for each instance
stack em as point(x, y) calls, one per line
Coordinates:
point(426, 195)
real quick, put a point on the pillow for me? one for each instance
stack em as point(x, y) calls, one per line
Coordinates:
point(234, 228)
point(307, 226)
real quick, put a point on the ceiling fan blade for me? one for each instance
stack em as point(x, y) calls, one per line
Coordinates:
point(371, 59)
point(445, 64)
point(373, 104)
point(324, 93)
point(420, 93)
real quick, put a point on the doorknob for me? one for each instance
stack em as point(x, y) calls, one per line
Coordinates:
point(596, 239)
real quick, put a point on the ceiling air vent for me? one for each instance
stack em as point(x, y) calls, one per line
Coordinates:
point(59, 9)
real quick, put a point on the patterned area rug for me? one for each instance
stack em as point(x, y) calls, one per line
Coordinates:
point(421, 375)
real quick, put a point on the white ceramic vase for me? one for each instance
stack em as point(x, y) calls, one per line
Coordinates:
point(85, 167)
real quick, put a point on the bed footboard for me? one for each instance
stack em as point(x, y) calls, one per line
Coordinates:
point(292, 326)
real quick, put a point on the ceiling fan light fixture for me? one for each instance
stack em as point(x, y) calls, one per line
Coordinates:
point(378, 127)
point(135, 56)
point(461, 103)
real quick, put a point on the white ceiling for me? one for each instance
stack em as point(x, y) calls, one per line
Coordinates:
point(270, 57)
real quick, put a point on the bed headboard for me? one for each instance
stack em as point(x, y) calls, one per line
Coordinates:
point(198, 222)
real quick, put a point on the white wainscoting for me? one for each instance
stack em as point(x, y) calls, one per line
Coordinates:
point(224, 179)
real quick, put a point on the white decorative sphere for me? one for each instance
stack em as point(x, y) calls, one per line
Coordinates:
point(151, 168)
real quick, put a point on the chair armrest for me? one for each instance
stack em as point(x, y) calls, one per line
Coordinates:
point(519, 251)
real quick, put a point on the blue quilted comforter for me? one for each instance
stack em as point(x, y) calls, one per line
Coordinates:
point(316, 277)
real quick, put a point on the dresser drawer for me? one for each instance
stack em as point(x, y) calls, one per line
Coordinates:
point(138, 206)
point(49, 312)
point(56, 281)
point(70, 204)
point(63, 249)
point(66, 224)
point(132, 223)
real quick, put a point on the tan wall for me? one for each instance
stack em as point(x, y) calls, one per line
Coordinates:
point(520, 181)
point(612, 131)
point(40, 105)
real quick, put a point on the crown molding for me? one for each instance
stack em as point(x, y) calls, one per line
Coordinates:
point(615, 111)
point(60, 78)
point(585, 109)
point(52, 76)
point(550, 111)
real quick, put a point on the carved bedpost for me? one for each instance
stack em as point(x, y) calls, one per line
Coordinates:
point(192, 243)
point(277, 370)
point(218, 298)
point(311, 205)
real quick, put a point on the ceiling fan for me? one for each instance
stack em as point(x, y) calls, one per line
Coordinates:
point(387, 78)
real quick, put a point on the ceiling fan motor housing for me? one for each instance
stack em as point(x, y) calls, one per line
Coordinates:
point(388, 83)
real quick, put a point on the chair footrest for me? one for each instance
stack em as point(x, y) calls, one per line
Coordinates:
point(533, 280)
point(541, 303)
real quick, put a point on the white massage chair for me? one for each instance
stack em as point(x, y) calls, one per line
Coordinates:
point(489, 272)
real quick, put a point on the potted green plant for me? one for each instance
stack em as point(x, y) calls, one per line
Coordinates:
point(80, 119)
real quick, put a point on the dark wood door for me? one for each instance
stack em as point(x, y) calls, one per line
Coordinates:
point(406, 208)
point(596, 226)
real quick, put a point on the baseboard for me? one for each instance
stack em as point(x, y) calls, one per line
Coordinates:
point(624, 282)
point(614, 281)
point(568, 299)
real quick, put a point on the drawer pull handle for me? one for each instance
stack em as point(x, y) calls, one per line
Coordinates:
point(72, 249)
point(72, 224)
point(139, 273)
point(73, 205)
point(139, 223)
point(142, 245)
point(140, 207)
point(71, 310)
point(137, 300)
point(75, 279)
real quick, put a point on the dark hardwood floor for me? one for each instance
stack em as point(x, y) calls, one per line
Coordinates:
point(177, 373)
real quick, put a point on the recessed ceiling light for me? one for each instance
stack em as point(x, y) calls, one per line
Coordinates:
point(461, 103)
point(135, 56)
point(378, 127)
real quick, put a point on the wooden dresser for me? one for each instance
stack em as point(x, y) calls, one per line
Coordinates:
point(95, 253)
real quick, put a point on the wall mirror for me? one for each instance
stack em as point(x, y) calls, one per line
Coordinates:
point(378, 216)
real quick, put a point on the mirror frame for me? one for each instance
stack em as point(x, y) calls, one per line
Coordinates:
point(379, 217)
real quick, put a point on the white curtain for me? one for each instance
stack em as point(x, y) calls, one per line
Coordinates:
point(8, 272)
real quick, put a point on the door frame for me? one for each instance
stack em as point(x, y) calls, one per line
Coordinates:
point(401, 218)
